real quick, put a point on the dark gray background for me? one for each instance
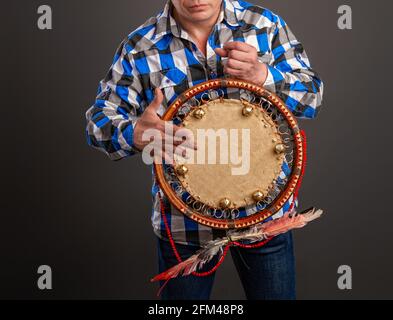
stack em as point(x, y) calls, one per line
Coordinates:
point(68, 206)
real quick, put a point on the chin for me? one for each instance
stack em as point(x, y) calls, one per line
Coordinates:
point(199, 16)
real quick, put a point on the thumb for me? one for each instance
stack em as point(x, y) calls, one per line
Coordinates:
point(221, 52)
point(158, 98)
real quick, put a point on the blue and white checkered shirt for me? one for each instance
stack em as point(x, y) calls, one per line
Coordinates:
point(161, 54)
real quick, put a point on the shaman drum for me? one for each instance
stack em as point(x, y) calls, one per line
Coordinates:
point(249, 159)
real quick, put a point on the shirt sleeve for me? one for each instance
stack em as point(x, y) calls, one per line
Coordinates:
point(118, 105)
point(290, 75)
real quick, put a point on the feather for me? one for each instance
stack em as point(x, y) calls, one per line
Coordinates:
point(194, 262)
point(290, 220)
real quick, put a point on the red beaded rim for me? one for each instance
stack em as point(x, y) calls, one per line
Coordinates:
point(283, 197)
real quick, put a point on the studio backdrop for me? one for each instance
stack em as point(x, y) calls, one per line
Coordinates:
point(67, 206)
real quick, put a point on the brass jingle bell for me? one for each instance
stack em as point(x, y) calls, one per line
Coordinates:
point(225, 203)
point(258, 195)
point(279, 148)
point(247, 111)
point(199, 113)
point(182, 170)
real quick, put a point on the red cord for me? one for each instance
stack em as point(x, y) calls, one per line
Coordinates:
point(299, 183)
point(236, 243)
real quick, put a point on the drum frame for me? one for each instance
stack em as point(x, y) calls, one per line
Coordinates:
point(281, 199)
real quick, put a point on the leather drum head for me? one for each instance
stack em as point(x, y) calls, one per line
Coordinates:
point(236, 159)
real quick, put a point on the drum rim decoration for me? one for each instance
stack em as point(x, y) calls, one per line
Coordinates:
point(280, 200)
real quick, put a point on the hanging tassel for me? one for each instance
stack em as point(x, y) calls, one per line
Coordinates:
point(290, 220)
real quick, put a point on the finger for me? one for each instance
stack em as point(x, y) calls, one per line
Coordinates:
point(233, 72)
point(180, 151)
point(190, 144)
point(185, 137)
point(167, 127)
point(184, 152)
point(236, 64)
point(157, 101)
point(240, 56)
point(178, 155)
point(176, 135)
point(221, 52)
point(237, 45)
point(175, 141)
point(180, 130)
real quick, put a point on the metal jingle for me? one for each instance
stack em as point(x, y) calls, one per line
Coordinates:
point(181, 170)
point(258, 196)
point(235, 213)
point(199, 113)
point(197, 205)
point(225, 203)
point(247, 111)
point(260, 205)
point(220, 215)
point(279, 148)
point(189, 200)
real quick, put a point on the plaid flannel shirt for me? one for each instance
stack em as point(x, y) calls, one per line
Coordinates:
point(161, 54)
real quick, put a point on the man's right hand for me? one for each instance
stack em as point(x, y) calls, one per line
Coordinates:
point(150, 120)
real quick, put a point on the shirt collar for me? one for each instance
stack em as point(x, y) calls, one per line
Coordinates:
point(166, 24)
point(229, 12)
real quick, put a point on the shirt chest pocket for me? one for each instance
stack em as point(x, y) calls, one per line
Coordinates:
point(172, 82)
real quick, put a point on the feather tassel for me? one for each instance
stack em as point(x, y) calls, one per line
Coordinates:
point(290, 220)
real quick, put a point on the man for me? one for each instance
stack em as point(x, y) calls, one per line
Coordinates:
point(182, 46)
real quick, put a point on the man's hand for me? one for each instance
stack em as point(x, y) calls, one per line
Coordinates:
point(243, 62)
point(150, 120)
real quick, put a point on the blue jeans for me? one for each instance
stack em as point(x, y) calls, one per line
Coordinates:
point(266, 273)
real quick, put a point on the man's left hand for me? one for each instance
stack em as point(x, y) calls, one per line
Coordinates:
point(243, 62)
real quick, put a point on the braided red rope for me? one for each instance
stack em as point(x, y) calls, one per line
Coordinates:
point(236, 243)
point(304, 163)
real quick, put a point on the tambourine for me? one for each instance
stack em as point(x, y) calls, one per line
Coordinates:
point(232, 194)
